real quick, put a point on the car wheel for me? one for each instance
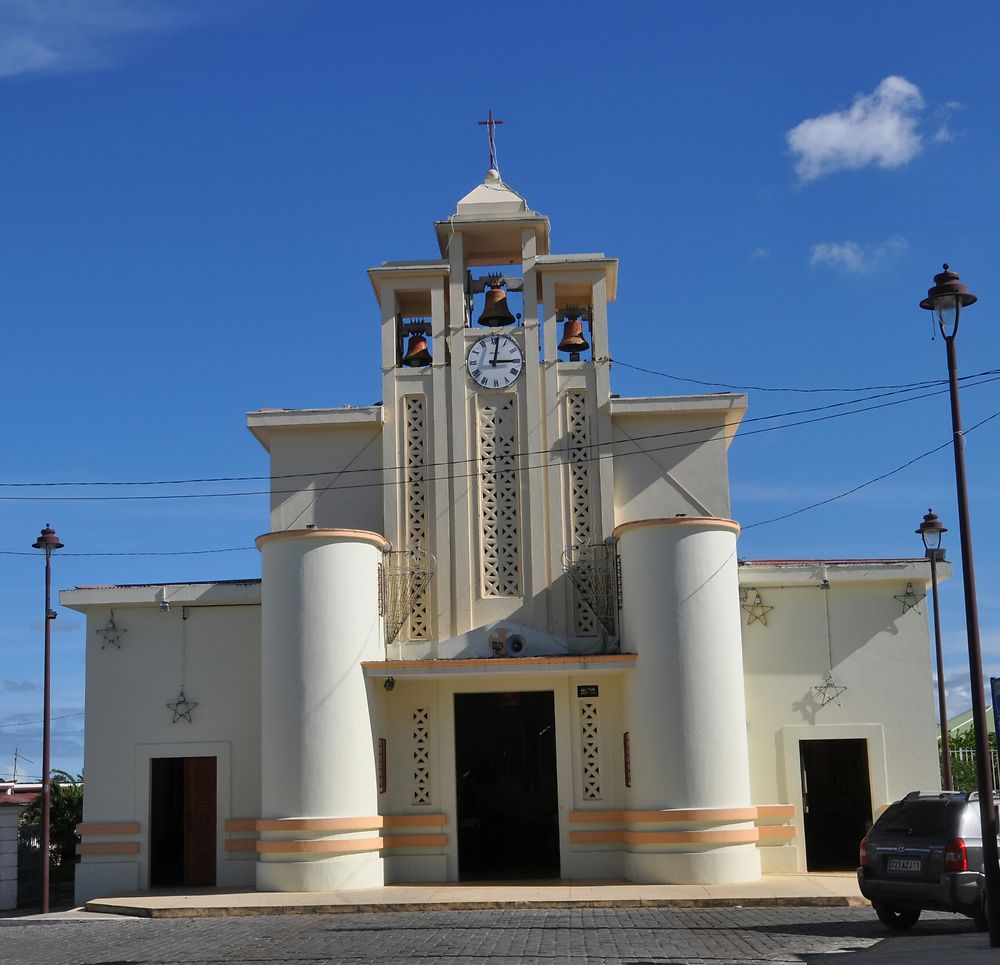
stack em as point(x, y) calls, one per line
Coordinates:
point(897, 917)
point(979, 918)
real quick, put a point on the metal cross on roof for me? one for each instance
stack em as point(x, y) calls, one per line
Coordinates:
point(491, 124)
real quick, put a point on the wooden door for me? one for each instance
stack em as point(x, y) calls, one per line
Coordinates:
point(199, 820)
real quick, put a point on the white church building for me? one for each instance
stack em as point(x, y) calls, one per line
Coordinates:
point(502, 630)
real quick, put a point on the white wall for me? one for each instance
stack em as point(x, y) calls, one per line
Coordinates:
point(9, 817)
point(880, 655)
point(393, 715)
point(352, 500)
point(677, 473)
point(215, 652)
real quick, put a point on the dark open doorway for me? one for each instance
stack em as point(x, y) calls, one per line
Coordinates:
point(508, 808)
point(836, 801)
point(182, 817)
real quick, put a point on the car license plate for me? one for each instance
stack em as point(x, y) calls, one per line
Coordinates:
point(903, 864)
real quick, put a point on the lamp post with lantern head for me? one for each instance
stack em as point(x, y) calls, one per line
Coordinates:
point(931, 530)
point(946, 298)
point(47, 542)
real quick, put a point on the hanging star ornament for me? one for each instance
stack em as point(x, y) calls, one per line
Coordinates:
point(112, 633)
point(757, 611)
point(910, 598)
point(182, 707)
point(829, 691)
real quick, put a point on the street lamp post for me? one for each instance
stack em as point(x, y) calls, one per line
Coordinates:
point(931, 530)
point(47, 542)
point(946, 299)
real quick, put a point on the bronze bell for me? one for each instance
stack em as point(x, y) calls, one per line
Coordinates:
point(417, 353)
point(496, 312)
point(573, 340)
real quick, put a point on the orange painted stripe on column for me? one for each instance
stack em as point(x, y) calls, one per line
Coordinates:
point(696, 838)
point(780, 832)
point(775, 812)
point(413, 820)
point(414, 841)
point(668, 816)
point(596, 817)
point(616, 836)
point(742, 836)
point(321, 824)
point(241, 844)
point(325, 846)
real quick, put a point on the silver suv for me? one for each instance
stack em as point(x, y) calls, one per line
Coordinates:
point(925, 851)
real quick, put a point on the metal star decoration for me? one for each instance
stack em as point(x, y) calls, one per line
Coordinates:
point(112, 633)
point(182, 707)
point(910, 598)
point(829, 691)
point(757, 611)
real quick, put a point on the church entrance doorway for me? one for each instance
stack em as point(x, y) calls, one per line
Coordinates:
point(505, 767)
point(182, 819)
point(836, 801)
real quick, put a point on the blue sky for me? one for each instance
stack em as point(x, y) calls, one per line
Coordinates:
point(191, 193)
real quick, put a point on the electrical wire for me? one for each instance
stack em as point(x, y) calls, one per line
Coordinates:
point(771, 388)
point(527, 467)
point(764, 522)
point(456, 462)
point(882, 389)
point(28, 723)
point(858, 488)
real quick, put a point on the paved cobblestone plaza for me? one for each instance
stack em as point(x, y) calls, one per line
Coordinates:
point(597, 936)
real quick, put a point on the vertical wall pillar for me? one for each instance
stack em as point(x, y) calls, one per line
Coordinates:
point(319, 796)
point(686, 713)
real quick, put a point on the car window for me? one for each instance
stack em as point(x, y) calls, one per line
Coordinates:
point(919, 818)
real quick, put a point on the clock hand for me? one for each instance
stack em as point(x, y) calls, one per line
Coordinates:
point(496, 349)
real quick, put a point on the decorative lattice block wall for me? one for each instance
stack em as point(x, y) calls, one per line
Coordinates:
point(590, 751)
point(415, 504)
point(499, 488)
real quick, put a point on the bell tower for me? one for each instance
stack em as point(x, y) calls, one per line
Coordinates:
point(494, 420)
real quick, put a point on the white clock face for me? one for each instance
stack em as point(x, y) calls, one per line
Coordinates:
point(495, 361)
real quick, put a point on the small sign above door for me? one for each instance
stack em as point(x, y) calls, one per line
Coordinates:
point(586, 690)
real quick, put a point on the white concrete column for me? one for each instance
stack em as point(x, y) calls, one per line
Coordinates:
point(319, 796)
point(685, 707)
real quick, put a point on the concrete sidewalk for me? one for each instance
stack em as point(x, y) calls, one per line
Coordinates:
point(925, 944)
point(809, 890)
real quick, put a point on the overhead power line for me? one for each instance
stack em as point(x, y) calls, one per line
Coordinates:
point(744, 527)
point(860, 486)
point(883, 390)
point(773, 388)
point(28, 723)
point(699, 430)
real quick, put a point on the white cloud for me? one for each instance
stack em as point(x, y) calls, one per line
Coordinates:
point(19, 685)
point(851, 258)
point(760, 253)
point(52, 36)
point(879, 128)
point(944, 133)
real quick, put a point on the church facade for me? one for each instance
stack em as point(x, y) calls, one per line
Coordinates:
point(502, 630)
